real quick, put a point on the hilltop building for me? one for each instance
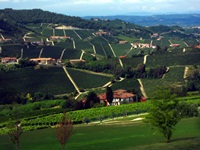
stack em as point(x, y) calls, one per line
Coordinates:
point(43, 61)
point(9, 60)
point(120, 96)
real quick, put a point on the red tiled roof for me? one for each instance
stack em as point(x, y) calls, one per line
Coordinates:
point(41, 59)
point(9, 58)
point(198, 47)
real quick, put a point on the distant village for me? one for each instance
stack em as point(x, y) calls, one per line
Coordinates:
point(50, 42)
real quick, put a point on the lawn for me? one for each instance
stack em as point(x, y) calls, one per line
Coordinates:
point(127, 135)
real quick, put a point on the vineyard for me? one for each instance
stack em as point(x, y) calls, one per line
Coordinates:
point(94, 114)
point(88, 80)
point(50, 80)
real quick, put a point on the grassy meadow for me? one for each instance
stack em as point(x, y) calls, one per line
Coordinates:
point(122, 133)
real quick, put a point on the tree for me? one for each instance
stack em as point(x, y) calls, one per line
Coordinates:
point(109, 94)
point(91, 100)
point(64, 130)
point(165, 113)
point(15, 134)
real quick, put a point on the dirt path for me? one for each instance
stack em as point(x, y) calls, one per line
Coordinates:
point(112, 50)
point(74, 44)
point(104, 39)
point(72, 81)
point(142, 88)
point(129, 51)
point(186, 44)
point(185, 72)
point(64, 32)
point(81, 57)
point(170, 41)
point(95, 73)
point(145, 59)
point(54, 32)
point(40, 53)
point(61, 56)
point(2, 36)
point(107, 84)
point(93, 48)
point(22, 52)
point(78, 35)
point(120, 62)
point(104, 50)
point(165, 73)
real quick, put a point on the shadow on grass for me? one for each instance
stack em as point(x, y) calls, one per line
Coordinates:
point(184, 138)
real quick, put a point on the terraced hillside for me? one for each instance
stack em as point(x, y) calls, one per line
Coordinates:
point(129, 44)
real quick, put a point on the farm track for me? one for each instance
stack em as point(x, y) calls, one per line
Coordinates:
point(78, 35)
point(93, 48)
point(40, 53)
point(142, 88)
point(120, 62)
point(95, 73)
point(72, 81)
point(74, 44)
point(81, 57)
point(185, 72)
point(165, 73)
point(104, 39)
point(22, 52)
point(186, 44)
point(54, 32)
point(170, 41)
point(104, 50)
point(2, 36)
point(61, 56)
point(129, 51)
point(112, 50)
point(64, 32)
point(145, 59)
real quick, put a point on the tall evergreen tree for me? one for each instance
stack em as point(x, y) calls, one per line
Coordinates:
point(109, 94)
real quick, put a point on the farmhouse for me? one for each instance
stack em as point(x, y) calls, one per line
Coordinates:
point(100, 33)
point(174, 45)
point(43, 61)
point(54, 38)
point(142, 45)
point(9, 60)
point(120, 96)
point(123, 42)
point(121, 57)
point(75, 61)
point(198, 47)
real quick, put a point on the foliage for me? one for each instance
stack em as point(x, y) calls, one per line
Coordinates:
point(64, 131)
point(109, 94)
point(15, 134)
point(91, 100)
point(164, 114)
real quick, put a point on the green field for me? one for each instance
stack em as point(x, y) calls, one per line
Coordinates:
point(11, 50)
point(51, 80)
point(117, 135)
point(173, 78)
point(133, 62)
point(88, 80)
point(127, 84)
point(121, 49)
point(72, 54)
point(174, 59)
point(52, 51)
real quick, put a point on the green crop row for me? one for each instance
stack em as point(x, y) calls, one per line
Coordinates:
point(28, 80)
point(87, 80)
